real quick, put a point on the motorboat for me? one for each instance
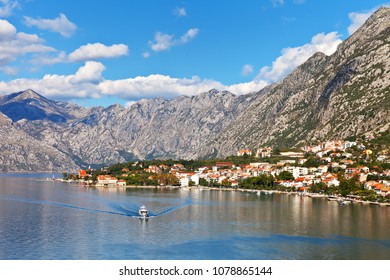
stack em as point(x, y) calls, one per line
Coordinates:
point(143, 212)
point(345, 202)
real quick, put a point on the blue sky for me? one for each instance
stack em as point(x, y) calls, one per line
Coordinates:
point(105, 52)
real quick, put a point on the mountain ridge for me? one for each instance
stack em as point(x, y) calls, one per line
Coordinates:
point(336, 96)
point(307, 104)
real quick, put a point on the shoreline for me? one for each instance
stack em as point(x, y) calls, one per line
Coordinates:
point(197, 188)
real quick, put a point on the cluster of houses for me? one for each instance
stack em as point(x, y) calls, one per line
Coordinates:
point(226, 173)
point(304, 177)
point(102, 180)
point(333, 145)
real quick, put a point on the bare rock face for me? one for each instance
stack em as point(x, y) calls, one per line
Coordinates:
point(337, 96)
point(154, 128)
point(345, 94)
point(21, 152)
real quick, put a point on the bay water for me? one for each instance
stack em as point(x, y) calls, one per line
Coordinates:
point(44, 219)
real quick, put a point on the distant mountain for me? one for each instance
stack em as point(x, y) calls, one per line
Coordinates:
point(22, 152)
point(327, 97)
point(31, 106)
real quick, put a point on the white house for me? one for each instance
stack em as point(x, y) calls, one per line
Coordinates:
point(297, 171)
point(106, 181)
point(322, 169)
point(263, 152)
point(186, 177)
point(292, 154)
point(121, 183)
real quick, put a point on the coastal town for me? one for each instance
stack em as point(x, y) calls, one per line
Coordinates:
point(356, 170)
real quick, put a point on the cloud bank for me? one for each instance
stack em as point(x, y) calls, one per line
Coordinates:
point(89, 82)
point(87, 52)
point(14, 45)
point(293, 57)
point(61, 25)
point(7, 7)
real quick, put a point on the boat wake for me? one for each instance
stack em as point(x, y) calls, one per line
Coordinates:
point(58, 204)
point(171, 209)
point(122, 209)
point(130, 209)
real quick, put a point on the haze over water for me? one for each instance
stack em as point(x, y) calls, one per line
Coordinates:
point(51, 220)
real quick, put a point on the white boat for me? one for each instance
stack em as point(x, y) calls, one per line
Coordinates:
point(345, 202)
point(143, 212)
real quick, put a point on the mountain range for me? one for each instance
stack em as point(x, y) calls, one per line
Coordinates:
point(337, 96)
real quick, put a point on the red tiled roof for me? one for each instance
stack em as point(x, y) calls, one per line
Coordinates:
point(379, 186)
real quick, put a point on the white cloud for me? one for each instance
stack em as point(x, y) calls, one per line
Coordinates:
point(88, 82)
point(180, 12)
point(277, 3)
point(98, 51)
point(11, 71)
point(87, 52)
point(61, 25)
point(359, 18)
point(78, 85)
point(247, 70)
point(164, 42)
point(7, 30)
point(146, 54)
point(188, 36)
point(46, 59)
point(156, 85)
point(15, 44)
point(168, 87)
point(293, 57)
point(7, 7)
point(91, 72)
point(244, 88)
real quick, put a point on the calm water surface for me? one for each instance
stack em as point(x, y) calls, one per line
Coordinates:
point(51, 220)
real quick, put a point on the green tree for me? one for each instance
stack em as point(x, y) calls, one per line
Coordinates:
point(226, 183)
point(167, 179)
point(260, 182)
point(332, 190)
point(347, 186)
point(203, 182)
point(318, 187)
point(312, 161)
point(285, 176)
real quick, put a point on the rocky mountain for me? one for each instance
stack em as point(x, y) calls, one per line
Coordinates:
point(31, 106)
point(327, 97)
point(21, 152)
point(335, 96)
point(154, 128)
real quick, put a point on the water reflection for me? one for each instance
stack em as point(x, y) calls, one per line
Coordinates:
point(50, 220)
